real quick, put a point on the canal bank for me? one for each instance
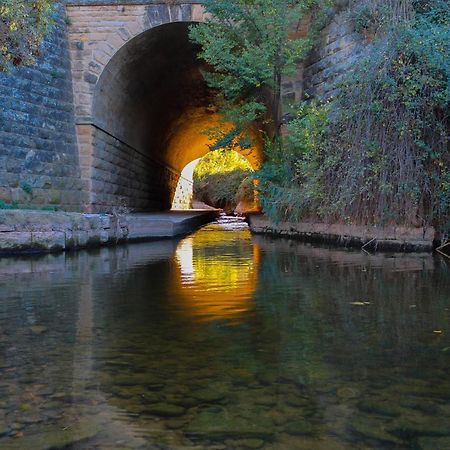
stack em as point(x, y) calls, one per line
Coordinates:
point(23, 231)
point(373, 238)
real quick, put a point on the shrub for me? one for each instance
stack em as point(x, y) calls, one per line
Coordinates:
point(379, 153)
point(218, 178)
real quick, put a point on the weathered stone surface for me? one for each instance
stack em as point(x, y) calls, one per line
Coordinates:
point(388, 238)
point(39, 154)
point(338, 49)
point(41, 231)
point(15, 241)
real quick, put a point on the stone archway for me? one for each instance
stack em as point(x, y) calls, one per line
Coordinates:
point(141, 103)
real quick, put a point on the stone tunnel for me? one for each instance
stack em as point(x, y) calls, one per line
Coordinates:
point(115, 107)
point(149, 109)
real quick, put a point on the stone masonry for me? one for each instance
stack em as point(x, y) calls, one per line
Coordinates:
point(38, 147)
point(338, 49)
point(53, 153)
point(118, 174)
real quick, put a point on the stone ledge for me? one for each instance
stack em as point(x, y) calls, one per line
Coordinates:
point(398, 238)
point(23, 231)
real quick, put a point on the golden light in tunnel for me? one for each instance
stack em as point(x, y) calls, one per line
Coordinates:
point(216, 278)
point(187, 140)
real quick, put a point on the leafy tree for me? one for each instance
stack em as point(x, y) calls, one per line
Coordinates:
point(249, 46)
point(23, 25)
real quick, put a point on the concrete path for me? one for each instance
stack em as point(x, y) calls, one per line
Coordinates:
point(168, 224)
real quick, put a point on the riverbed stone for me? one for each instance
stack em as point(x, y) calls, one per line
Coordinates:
point(296, 401)
point(266, 400)
point(371, 429)
point(347, 392)
point(38, 329)
point(4, 429)
point(186, 402)
point(225, 425)
point(299, 428)
point(210, 394)
point(433, 443)
point(250, 444)
point(383, 408)
point(165, 410)
point(425, 426)
point(175, 424)
point(54, 437)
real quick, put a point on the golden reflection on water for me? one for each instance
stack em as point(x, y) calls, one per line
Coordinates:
point(216, 277)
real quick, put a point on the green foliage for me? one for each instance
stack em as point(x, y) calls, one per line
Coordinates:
point(27, 188)
point(383, 154)
point(390, 135)
point(248, 47)
point(220, 161)
point(289, 181)
point(23, 25)
point(219, 179)
point(4, 205)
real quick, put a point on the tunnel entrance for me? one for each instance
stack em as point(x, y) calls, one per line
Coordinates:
point(150, 107)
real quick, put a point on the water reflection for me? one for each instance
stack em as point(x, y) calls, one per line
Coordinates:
point(217, 275)
point(132, 347)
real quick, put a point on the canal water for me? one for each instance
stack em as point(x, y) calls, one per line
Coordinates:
point(222, 340)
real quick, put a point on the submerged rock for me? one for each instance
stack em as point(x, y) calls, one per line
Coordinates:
point(427, 426)
point(297, 402)
point(165, 410)
point(346, 393)
point(371, 429)
point(299, 428)
point(175, 424)
point(38, 329)
point(210, 395)
point(4, 429)
point(433, 443)
point(266, 400)
point(250, 443)
point(225, 425)
point(383, 408)
point(51, 438)
point(186, 402)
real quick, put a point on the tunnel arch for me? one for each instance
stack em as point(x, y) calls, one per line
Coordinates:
point(149, 108)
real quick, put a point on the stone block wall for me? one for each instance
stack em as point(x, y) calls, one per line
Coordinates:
point(339, 47)
point(38, 145)
point(121, 176)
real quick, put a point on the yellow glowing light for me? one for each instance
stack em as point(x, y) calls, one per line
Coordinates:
point(214, 286)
